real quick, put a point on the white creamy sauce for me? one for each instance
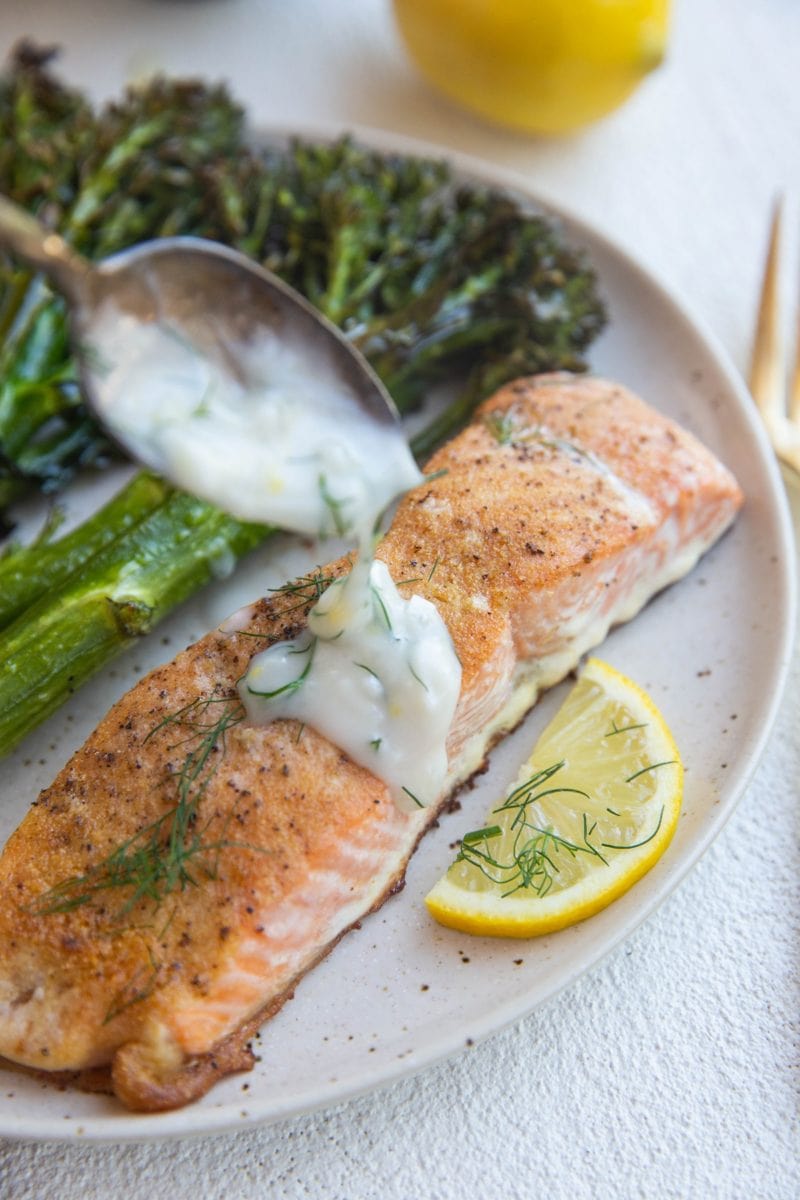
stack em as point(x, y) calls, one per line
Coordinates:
point(288, 446)
point(374, 673)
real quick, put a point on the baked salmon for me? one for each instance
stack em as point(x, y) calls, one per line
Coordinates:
point(185, 869)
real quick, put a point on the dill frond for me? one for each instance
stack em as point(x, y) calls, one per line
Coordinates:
point(171, 852)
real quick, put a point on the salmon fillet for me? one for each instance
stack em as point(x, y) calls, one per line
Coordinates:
point(565, 505)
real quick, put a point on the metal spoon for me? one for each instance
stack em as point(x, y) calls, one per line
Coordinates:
point(210, 295)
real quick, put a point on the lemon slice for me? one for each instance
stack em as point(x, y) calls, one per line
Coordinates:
point(592, 810)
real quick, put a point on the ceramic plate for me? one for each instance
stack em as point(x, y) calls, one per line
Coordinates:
point(401, 992)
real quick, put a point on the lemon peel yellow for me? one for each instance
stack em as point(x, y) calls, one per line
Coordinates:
point(544, 66)
point(594, 808)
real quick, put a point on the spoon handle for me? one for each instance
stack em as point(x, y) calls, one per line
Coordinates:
point(38, 245)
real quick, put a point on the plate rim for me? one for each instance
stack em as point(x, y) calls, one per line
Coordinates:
point(193, 1121)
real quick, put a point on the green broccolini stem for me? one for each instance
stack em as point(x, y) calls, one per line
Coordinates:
point(120, 595)
point(446, 423)
point(28, 572)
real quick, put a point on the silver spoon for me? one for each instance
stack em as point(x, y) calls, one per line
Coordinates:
point(211, 296)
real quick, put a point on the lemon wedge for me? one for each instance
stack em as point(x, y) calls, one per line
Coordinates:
point(592, 810)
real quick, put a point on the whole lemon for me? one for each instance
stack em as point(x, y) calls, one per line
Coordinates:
point(545, 66)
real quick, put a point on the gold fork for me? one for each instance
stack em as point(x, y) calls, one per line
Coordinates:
point(777, 398)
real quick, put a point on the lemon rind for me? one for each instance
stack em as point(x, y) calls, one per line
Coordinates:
point(488, 913)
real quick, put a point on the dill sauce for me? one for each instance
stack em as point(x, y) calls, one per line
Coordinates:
point(275, 439)
point(373, 672)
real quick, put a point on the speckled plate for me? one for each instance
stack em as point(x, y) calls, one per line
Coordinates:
point(401, 992)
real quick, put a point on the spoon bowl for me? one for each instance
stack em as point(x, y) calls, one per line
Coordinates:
point(213, 298)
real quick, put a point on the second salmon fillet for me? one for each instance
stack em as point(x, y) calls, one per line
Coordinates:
point(164, 896)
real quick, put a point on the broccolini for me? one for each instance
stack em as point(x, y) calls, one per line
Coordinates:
point(432, 277)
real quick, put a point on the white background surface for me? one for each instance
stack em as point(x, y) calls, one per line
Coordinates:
point(671, 1070)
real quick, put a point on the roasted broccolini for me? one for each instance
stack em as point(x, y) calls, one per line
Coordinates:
point(433, 278)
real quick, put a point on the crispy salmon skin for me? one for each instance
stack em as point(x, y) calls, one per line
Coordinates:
point(184, 870)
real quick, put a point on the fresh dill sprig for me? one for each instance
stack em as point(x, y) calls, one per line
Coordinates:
point(479, 835)
point(501, 426)
point(288, 689)
point(652, 767)
point(190, 717)
point(531, 863)
point(643, 842)
point(615, 729)
point(530, 791)
point(506, 429)
point(382, 606)
point(305, 590)
point(420, 681)
point(171, 852)
point(418, 803)
point(532, 860)
point(531, 866)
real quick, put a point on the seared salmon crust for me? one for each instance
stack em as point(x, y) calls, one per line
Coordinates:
point(564, 506)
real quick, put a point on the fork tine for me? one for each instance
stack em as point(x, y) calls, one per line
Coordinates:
point(768, 370)
point(794, 393)
point(768, 365)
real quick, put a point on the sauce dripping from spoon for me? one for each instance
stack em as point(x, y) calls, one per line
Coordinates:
point(216, 374)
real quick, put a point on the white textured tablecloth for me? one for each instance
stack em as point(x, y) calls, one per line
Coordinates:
point(671, 1069)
